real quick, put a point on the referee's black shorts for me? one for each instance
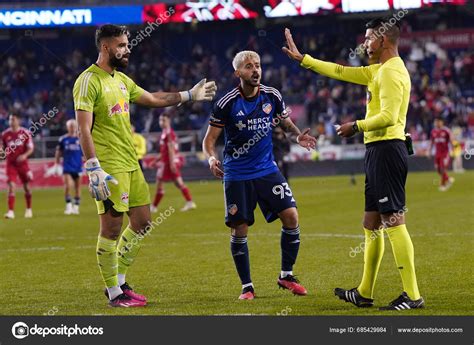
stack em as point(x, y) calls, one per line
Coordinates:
point(385, 176)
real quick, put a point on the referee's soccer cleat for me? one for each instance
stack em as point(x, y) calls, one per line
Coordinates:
point(353, 296)
point(125, 301)
point(247, 293)
point(291, 283)
point(127, 290)
point(403, 302)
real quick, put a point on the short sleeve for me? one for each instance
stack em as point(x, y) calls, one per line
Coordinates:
point(217, 117)
point(85, 92)
point(61, 144)
point(280, 106)
point(28, 139)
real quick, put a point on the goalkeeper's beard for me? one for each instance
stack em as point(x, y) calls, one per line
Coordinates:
point(115, 62)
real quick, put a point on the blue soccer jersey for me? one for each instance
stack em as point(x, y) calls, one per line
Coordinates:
point(248, 125)
point(72, 154)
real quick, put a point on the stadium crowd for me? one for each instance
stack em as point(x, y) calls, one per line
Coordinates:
point(32, 83)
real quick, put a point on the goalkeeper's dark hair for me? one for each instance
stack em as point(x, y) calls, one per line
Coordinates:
point(108, 31)
point(388, 26)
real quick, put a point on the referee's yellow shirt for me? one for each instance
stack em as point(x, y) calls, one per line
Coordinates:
point(388, 94)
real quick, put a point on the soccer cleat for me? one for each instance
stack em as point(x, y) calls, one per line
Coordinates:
point(127, 290)
point(126, 301)
point(28, 213)
point(190, 205)
point(153, 209)
point(10, 214)
point(68, 209)
point(353, 296)
point(291, 283)
point(247, 293)
point(75, 209)
point(404, 302)
point(450, 182)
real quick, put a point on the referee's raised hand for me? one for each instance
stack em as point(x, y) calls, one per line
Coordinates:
point(291, 50)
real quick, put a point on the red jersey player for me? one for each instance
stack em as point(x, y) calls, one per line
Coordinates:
point(17, 146)
point(169, 165)
point(441, 139)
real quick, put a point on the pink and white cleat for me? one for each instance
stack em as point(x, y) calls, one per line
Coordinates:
point(247, 293)
point(127, 290)
point(126, 301)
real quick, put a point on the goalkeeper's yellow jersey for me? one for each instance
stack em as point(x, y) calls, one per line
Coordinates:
point(388, 94)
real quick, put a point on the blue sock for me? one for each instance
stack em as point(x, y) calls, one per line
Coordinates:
point(77, 201)
point(240, 253)
point(68, 199)
point(290, 244)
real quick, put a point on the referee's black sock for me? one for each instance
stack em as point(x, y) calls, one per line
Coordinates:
point(290, 245)
point(240, 254)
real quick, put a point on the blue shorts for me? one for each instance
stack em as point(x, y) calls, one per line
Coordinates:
point(271, 192)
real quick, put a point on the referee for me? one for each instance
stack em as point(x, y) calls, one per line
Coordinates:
point(388, 93)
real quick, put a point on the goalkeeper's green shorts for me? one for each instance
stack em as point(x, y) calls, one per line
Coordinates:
point(131, 191)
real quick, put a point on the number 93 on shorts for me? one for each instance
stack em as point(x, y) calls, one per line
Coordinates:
point(271, 192)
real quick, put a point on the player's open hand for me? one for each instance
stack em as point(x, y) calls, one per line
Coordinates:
point(203, 91)
point(346, 130)
point(291, 50)
point(305, 140)
point(216, 167)
point(98, 180)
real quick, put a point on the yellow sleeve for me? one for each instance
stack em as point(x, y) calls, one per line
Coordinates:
point(85, 92)
point(391, 98)
point(357, 75)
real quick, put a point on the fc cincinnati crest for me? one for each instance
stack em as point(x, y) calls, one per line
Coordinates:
point(124, 198)
point(123, 88)
point(267, 108)
point(232, 209)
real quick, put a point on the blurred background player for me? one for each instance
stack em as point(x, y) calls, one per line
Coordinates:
point(281, 148)
point(440, 141)
point(69, 149)
point(17, 145)
point(169, 166)
point(248, 113)
point(102, 97)
point(457, 154)
point(139, 142)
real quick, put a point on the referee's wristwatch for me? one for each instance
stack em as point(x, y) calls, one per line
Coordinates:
point(355, 128)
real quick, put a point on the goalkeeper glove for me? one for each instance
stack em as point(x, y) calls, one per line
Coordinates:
point(98, 180)
point(202, 91)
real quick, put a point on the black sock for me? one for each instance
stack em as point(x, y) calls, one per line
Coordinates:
point(290, 244)
point(77, 201)
point(240, 253)
point(67, 199)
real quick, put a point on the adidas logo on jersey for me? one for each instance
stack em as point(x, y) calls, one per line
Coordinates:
point(240, 113)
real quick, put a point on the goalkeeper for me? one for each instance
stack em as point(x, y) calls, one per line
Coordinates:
point(102, 97)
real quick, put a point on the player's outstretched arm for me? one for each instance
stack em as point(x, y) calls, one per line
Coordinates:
point(304, 139)
point(202, 91)
point(98, 178)
point(209, 148)
point(357, 75)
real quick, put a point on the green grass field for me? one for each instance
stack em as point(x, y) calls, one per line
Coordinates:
point(48, 263)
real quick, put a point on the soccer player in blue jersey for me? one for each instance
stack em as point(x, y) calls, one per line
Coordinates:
point(247, 114)
point(70, 150)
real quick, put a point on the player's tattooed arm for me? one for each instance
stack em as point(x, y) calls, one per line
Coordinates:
point(159, 99)
point(304, 139)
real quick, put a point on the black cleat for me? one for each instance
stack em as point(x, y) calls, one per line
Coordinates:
point(353, 296)
point(404, 302)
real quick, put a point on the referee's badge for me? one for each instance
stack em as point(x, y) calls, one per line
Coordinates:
point(124, 198)
point(267, 108)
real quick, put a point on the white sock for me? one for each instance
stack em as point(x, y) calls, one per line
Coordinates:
point(247, 285)
point(283, 274)
point(114, 291)
point(121, 279)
